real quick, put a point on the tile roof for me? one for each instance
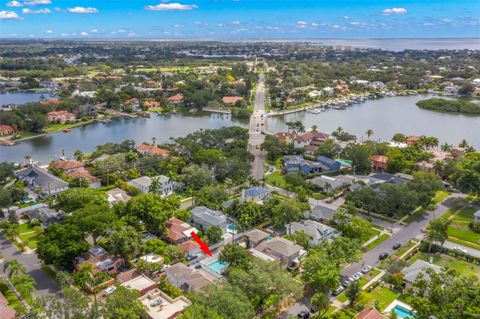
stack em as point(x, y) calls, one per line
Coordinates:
point(231, 99)
point(188, 246)
point(178, 229)
point(370, 313)
point(83, 173)
point(279, 245)
point(152, 150)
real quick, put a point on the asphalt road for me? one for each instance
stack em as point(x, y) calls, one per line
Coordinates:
point(471, 251)
point(44, 284)
point(257, 126)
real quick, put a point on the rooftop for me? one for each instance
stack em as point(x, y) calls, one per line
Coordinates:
point(256, 191)
point(411, 272)
point(280, 246)
point(139, 283)
point(212, 217)
point(67, 165)
point(160, 306)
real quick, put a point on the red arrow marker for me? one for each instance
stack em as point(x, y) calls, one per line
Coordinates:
point(200, 243)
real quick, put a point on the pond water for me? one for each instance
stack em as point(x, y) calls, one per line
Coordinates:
point(22, 97)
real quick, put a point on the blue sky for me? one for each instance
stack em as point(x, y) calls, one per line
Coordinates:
point(242, 19)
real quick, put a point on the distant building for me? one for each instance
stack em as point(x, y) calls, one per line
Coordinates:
point(101, 261)
point(256, 236)
point(204, 218)
point(188, 279)
point(175, 99)
point(38, 178)
point(231, 100)
point(379, 163)
point(93, 181)
point(413, 139)
point(332, 182)
point(285, 137)
point(308, 137)
point(117, 195)
point(67, 166)
point(60, 117)
point(296, 163)
point(6, 129)
point(256, 194)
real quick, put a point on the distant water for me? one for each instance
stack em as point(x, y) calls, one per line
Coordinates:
point(21, 97)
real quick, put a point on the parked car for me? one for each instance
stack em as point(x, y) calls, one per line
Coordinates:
point(366, 269)
point(396, 246)
point(383, 256)
point(460, 249)
point(191, 257)
point(303, 315)
point(347, 282)
point(338, 291)
point(357, 275)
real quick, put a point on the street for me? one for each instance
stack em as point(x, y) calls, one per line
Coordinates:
point(256, 128)
point(44, 284)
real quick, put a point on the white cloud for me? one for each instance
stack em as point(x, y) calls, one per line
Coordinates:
point(178, 25)
point(8, 15)
point(132, 34)
point(49, 31)
point(94, 30)
point(346, 17)
point(40, 11)
point(64, 34)
point(14, 4)
point(171, 7)
point(83, 33)
point(121, 30)
point(36, 2)
point(82, 10)
point(270, 27)
point(302, 24)
point(313, 24)
point(388, 12)
point(235, 22)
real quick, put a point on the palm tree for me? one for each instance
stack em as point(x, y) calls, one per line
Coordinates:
point(446, 147)
point(154, 140)
point(314, 128)
point(25, 284)
point(62, 151)
point(369, 133)
point(155, 186)
point(437, 231)
point(320, 303)
point(78, 155)
point(13, 268)
point(438, 166)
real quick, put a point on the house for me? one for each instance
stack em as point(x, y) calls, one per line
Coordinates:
point(305, 139)
point(85, 110)
point(329, 183)
point(205, 217)
point(46, 216)
point(152, 150)
point(67, 166)
point(160, 306)
point(6, 312)
point(60, 117)
point(281, 249)
point(41, 179)
point(117, 195)
point(93, 181)
point(50, 84)
point(318, 232)
point(476, 217)
point(380, 178)
point(413, 139)
point(176, 274)
point(133, 103)
point(143, 183)
point(296, 163)
point(151, 104)
point(330, 163)
point(197, 279)
point(256, 194)
point(101, 261)
point(189, 247)
point(323, 212)
point(231, 100)
point(6, 129)
point(411, 272)
point(142, 284)
point(379, 163)
point(179, 231)
point(255, 237)
point(426, 167)
point(285, 137)
point(175, 99)
point(370, 313)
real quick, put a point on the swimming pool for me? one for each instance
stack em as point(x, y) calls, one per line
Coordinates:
point(217, 266)
point(403, 313)
point(231, 227)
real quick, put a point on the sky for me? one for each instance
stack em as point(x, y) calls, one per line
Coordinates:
point(238, 19)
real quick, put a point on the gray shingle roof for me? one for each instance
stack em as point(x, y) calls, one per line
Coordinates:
point(256, 191)
point(411, 273)
point(42, 178)
point(209, 216)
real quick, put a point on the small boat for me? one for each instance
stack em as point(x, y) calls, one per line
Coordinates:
point(66, 130)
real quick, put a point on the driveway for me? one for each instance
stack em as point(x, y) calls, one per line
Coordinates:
point(44, 284)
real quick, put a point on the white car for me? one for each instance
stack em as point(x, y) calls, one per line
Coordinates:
point(110, 290)
point(366, 269)
point(357, 275)
point(460, 249)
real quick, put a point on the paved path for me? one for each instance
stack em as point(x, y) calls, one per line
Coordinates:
point(471, 251)
point(45, 285)
point(257, 126)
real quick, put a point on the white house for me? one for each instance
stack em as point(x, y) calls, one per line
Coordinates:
point(143, 184)
point(318, 232)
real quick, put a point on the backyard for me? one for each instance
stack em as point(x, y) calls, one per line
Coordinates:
point(459, 231)
point(463, 267)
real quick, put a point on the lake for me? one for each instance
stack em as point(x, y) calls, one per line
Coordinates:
point(22, 97)
point(46, 148)
point(386, 117)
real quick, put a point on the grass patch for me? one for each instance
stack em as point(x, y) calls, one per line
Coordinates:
point(463, 267)
point(342, 297)
point(276, 179)
point(451, 211)
point(30, 239)
point(58, 127)
point(412, 217)
point(376, 242)
point(12, 299)
point(23, 228)
point(440, 195)
point(384, 297)
point(460, 230)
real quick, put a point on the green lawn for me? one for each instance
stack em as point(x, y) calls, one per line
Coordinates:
point(414, 216)
point(12, 299)
point(22, 228)
point(462, 266)
point(276, 179)
point(451, 211)
point(440, 195)
point(461, 232)
point(30, 239)
point(376, 242)
point(384, 296)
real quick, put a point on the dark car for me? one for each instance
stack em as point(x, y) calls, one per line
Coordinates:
point(383, 256)
point(396, 246)
point(303, 315)
point(191, 257)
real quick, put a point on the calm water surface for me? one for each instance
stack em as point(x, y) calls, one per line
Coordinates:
point(388, 116)
point(21, 97)
point(45, 148)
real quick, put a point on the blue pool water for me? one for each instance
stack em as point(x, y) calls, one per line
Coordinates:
point(217, 266)
point(403, 313)
point(232, 227)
